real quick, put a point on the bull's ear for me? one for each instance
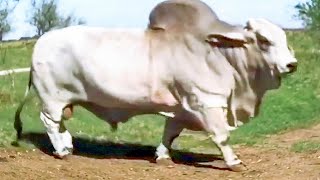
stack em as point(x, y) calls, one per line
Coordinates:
point(231, 39)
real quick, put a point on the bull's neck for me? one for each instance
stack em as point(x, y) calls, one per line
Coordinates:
point(249, 67)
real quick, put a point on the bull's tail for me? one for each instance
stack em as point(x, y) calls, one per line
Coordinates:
point(17, 120)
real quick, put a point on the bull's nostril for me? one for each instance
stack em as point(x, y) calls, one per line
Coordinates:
point(292, 66)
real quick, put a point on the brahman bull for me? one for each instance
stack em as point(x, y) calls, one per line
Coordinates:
point(209, 74)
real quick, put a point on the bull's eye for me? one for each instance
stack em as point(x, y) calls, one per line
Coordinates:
point(264, 45)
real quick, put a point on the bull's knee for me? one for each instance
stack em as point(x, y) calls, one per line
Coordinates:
point(221, 140)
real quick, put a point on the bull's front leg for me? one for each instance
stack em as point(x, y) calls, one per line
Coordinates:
point(216, 123)
point(214, 120)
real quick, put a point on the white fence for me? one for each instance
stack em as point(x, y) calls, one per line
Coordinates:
point(14, 71)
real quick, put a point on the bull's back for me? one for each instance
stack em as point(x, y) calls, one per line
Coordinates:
point(93, 64)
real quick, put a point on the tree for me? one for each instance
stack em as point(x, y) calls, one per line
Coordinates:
point(46, 16)
point(309, 13)
point(6, 7)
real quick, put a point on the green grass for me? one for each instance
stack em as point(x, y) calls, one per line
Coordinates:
point(295, 105)
point(15, 55)
point(306, 146)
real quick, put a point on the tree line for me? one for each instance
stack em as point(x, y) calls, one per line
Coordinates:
point(45, 15)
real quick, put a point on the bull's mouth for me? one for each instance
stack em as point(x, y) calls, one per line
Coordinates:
point(290, 72)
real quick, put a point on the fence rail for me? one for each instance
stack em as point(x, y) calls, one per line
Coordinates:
point(14, 71)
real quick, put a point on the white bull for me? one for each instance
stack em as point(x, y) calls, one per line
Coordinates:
point(118, 73)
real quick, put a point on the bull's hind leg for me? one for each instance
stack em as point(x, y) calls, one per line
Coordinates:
point(66, 137)
point(65, 134)
point(60, 138)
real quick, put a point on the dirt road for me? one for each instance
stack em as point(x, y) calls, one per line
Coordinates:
point(272, 161)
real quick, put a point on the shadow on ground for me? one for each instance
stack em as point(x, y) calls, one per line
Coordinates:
point(110, 150)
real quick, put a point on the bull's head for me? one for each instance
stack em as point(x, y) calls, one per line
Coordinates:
point(270, 40)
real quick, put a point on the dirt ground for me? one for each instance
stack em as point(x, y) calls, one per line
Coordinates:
point(273, 160)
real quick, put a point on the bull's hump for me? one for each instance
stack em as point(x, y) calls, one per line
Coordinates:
point(181, 15)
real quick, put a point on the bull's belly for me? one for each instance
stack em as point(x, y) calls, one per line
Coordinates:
point(127, 97)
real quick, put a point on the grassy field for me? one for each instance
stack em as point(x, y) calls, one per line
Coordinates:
point(295, 105)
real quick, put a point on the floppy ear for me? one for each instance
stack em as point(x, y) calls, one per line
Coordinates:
point(230, 39)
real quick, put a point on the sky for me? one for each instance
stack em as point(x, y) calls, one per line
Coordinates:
point(134, 13)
